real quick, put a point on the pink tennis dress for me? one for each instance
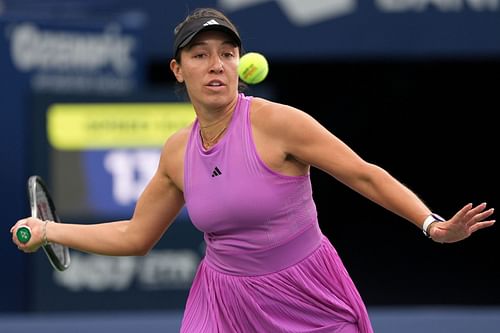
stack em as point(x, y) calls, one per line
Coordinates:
point(267, 268)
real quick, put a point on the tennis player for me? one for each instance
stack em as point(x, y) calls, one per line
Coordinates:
point(242, 170)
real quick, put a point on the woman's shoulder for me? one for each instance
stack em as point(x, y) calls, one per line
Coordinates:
point(178, 140)
point(259, 103)
point(172, 155)
point(267, 112)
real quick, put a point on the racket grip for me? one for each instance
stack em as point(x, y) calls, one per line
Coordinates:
point(23, 234)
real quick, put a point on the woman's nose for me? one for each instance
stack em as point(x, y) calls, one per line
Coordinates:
point(217, 65)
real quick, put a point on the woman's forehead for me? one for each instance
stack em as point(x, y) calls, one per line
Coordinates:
point(212, 35)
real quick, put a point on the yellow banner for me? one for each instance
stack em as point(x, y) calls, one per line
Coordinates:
point(115, 125)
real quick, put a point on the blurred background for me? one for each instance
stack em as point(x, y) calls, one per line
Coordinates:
point(87, 99)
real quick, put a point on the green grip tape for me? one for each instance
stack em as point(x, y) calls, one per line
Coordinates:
point(23, 234)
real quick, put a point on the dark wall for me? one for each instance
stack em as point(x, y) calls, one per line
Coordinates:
point(431, 124)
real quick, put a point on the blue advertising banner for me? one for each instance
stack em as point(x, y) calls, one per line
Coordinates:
point(160, 280)
point(97, 153)
point(38, 54)
point(326, 29)
point(319, 29)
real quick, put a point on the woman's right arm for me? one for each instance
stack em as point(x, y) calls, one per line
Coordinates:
point(156, 209)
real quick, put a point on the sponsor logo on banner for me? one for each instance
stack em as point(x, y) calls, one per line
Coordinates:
point(130, 171)
point(161, 269)
point(64, 60)
point(302, 13)
point(119, 146)
point(441, 5)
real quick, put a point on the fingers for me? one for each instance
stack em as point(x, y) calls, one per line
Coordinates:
point(462, 212)
point(477, 214)
point(478, 217)
point(18, 224)
point(471, 214)
point(481, 225)
point(475, 218)
point(479, 208)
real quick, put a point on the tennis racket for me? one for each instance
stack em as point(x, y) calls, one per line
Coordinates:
point(43, 208)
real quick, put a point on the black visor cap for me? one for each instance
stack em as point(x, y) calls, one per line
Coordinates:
point(194, 27)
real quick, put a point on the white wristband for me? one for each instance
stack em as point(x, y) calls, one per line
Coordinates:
point(428, 221)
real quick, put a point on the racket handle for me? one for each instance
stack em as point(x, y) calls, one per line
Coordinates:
point(23, 234)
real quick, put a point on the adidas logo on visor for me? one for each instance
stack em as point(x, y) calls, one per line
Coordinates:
point(211, 22)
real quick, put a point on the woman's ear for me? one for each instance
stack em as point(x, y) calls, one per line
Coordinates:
point(176, 69)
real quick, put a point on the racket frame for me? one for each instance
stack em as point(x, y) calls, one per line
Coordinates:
point(58, 255)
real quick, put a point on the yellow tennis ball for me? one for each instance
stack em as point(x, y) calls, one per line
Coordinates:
point(253, 68)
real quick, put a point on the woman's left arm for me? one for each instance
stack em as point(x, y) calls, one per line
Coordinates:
point(308, 141)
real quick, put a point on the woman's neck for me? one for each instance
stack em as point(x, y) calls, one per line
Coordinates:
point(214, 123)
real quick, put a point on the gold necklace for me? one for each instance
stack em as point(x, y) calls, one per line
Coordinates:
point(207, 143)
point(218, 121)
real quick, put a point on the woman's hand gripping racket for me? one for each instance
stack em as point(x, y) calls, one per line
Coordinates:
point(42, 207)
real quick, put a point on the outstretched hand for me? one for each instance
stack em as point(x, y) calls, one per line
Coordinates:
point(463, 224)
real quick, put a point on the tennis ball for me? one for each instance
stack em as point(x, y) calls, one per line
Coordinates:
point(253, 68)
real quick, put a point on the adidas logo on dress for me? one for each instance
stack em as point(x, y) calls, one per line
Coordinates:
point(216, 172)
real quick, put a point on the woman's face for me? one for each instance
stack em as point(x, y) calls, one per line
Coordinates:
point(209, 69)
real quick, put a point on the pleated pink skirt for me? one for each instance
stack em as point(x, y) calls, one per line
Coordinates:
point(315, 295)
